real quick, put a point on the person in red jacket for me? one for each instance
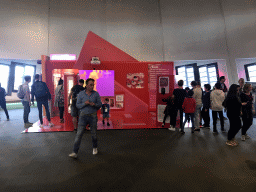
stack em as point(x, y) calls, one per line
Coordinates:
point(189, 107)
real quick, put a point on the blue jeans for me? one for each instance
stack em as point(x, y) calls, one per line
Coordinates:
point(40, 108)
point(84, 120)
point(26, 111)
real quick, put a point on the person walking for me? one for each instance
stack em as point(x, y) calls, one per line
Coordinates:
point(75, 90)
point(42, 94)
point(234, 111)
point(198, 97)
point(169, 109)
point(217, 97)
point(3, 102)
point(247, 110)
point(189, 107)
point(89, 103)
point(59, 99)
point(206, 105)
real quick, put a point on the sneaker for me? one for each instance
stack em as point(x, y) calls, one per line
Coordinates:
point(89, 128)
point(73, 155)
point(182, 132)
point(206, 126)
point(41, 125)
point(231, 143)
point(235, 141)
point(172, 128)
point(223, 131)
point(108, 124)
point(95, 151)
point(202, 126)
point(62, 121)
point(225, 118)
point(163, 125)
point(243, 138)
point(30, 123)
point(247, 136)
point(215, 131)
point(8, 119)
point(51, 124)
point(197, 129)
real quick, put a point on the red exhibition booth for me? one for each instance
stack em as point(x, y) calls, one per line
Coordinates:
point(135, 90)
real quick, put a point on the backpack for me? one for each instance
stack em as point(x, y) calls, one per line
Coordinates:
point(75, 93)
point(21, 93)
point(60, 96)
point(40, 90)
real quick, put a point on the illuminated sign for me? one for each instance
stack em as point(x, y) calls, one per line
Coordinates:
point(63, 57)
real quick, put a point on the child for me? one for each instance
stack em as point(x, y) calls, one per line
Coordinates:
point(169, 108)
point(105, 111)
point(189, 107)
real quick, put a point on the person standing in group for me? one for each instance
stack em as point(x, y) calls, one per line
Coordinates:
point(241, 85)
point(3, 102)
point(223, 88)
point(234, 111)
point(169, 109)
point(26, 101)
point(75, 90)
point(42, 94)
point(59, 99)
point(189, 107)
point(105, 111)
point(89, 103)
point(179, 96)
point(206, 105)
point(247, 110)
point(198, 97)
point(217, 97)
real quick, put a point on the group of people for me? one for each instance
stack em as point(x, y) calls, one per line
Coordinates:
point(196, 103)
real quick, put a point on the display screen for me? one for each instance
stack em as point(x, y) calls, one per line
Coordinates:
point(104, 80)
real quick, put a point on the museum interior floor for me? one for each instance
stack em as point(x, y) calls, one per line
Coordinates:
point(147, 160)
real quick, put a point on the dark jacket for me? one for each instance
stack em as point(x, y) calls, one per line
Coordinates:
point(2, 94)
point(233, 106)
point(170, 105)
point(33, 92)
point(247, 109)
point(206, 100)
point(179, 96)
point(225, 87)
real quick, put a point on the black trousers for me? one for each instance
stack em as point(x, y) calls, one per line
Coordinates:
point(235, 126)
point(247, 122)
point(61, 110)
point(3, 106)
point(173, 118)
point(214, 117)
point(206, 117)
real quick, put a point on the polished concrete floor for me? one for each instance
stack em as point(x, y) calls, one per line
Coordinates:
point(147, 160)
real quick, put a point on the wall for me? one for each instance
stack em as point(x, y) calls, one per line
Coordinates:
point(150, 30)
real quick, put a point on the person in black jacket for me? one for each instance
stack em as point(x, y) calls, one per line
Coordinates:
point(169, 109)
point(42, 93)
point(206, 106)
point(247, 110)
point(233, 105)
point(3, 101)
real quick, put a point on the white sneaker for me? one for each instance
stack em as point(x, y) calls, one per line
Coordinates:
point(243, 138)
point(51, 124)
point(95, 151)
point(41, 125)
point(73, 155)
point(247, 136)
point(172, 128)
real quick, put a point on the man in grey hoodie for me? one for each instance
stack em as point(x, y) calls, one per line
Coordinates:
point(89, 103)
point(217, 97)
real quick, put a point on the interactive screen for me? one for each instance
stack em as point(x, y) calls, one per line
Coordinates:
point(104, 80)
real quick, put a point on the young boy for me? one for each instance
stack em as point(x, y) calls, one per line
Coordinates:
point(169, 108)
point(189, 107)
point(206, 106)
point(105, 111)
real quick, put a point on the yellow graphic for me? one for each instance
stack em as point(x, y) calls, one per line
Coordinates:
point(95, 74)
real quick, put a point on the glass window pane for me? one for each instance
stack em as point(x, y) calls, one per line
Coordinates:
point(212, 70)
point(29, 70)
point(4, 76)
point(19, 75)
point(202, 70)
point(252, 68)
point(252, 79)
point(190, 70)
point(181, 70)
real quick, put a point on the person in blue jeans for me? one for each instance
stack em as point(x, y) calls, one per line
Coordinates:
point(42, 93)
point(89, 102)
point(26, 102)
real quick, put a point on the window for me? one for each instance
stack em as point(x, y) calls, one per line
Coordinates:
point(250, 71)
point(187, 73)
point(208, 74)
point(4, 76)
point(20, 71)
